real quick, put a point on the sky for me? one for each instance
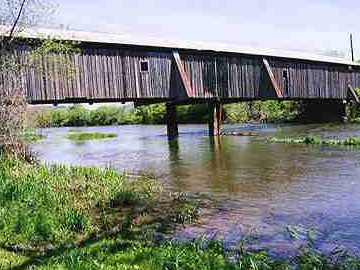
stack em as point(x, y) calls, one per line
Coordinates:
point(314, 26)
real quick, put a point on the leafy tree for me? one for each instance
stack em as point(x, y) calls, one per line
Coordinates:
point(18, 56)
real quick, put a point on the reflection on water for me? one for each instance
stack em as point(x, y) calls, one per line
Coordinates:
point(262, 187)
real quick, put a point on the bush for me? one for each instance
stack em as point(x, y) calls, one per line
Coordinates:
point(275, 111)
point(156, 114)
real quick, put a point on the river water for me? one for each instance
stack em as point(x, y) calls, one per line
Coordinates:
point(264, 190)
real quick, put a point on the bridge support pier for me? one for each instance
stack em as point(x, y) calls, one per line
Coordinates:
point(172, 121)
point(215, 119)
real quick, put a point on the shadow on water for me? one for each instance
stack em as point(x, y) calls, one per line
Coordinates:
point(261, 187)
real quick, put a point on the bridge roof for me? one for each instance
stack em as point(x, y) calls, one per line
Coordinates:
point(95, 37)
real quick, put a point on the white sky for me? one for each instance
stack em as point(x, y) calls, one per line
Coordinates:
point(315, 26)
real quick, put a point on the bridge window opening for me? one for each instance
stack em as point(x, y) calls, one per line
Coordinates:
point(285, 74)
point(144, 66)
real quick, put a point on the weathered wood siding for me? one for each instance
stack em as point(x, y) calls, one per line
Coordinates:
point(246, 77)
point(101, 74)
point(224, 77)
point(114, 74)
point(314, 80)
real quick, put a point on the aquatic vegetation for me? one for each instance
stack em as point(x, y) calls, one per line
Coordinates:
point(187, 214)
point(89, 136)
point(352, 141)
point(32, 137)
point(316, 140)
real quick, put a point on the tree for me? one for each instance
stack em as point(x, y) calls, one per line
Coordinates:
point(16, 17)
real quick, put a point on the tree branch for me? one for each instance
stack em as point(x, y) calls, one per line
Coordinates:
point(17, 20)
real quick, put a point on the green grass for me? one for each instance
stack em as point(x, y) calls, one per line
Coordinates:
point(61, 217)
point(138, 252)
point(90, 136)
point(317, 140)
point(50, 204)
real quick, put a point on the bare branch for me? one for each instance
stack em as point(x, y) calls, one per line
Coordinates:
point(17, 20)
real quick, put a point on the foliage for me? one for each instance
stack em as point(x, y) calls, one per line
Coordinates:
point(111, 115)
point(90, 136)
point(275, 111)
point(155, 114)
point(353, 109)
point(16, 16)
point(197, 113)
point(237, 112)
point(357, 91)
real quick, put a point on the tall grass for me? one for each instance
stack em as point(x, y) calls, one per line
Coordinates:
point(142, 254)
point(50, 204)
point(52, 217)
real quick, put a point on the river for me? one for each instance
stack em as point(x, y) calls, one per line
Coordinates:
point(264, 189)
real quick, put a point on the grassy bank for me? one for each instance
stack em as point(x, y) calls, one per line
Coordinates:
point(84, 218)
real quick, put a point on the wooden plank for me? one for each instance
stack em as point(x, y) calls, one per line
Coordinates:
point(183, 74)
point(278, 91)
point(352, 91)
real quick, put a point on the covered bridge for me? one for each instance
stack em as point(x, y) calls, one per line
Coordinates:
point(119, 68)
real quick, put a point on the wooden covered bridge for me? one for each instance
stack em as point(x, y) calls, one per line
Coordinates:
point(117, 68)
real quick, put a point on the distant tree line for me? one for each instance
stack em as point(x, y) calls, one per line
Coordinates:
point(77, 115)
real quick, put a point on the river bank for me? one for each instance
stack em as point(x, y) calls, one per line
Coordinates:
point(84, 218)
point(191, 203)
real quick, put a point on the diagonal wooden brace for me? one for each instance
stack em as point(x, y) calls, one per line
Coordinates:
point(278, 91)
point(183, 75)
point(352, 91)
